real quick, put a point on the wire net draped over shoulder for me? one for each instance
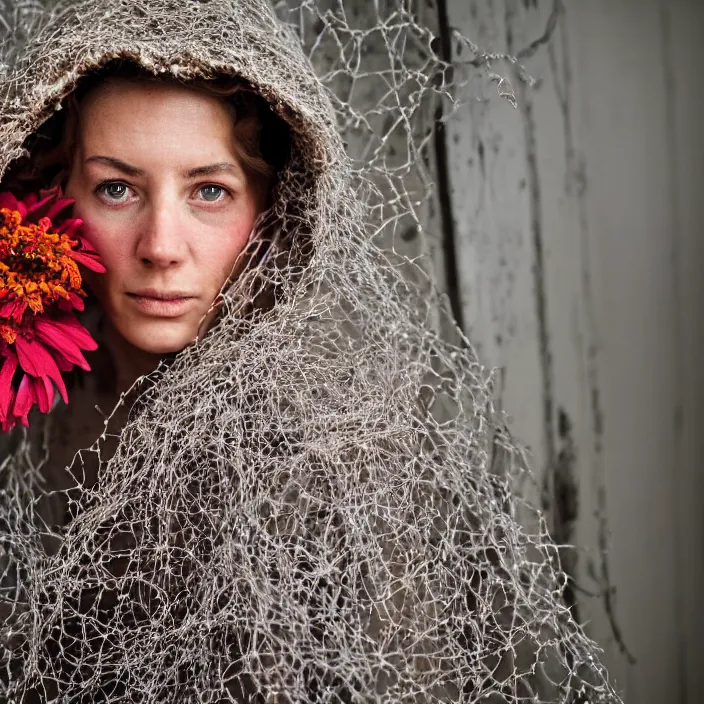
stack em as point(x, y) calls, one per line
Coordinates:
point(312, 504)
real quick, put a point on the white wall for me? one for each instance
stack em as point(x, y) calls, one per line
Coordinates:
point(579, 226)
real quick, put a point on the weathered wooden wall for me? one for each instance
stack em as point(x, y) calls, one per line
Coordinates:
point(569, 232)
point(578, 223)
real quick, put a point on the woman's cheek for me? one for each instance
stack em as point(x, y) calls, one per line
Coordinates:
point(237, 239)
point(108, 240)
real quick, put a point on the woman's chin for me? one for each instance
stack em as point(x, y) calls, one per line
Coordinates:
point(159, 338)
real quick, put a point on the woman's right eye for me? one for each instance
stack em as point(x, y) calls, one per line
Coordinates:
point(115, 191)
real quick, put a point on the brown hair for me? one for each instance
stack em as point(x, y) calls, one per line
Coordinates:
point(262, 146)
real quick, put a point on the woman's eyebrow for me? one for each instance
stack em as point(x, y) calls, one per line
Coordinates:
point(116, 163)
point(191, 173)
point(213, 169)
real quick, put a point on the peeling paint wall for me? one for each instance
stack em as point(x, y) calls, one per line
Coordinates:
point(578, 241)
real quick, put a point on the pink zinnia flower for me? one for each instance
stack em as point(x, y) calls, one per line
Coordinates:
point(40, 288)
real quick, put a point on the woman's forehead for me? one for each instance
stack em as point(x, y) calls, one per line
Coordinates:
point(124, 100)
point(143, 120)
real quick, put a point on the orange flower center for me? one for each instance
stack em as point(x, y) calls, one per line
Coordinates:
point(36, 267)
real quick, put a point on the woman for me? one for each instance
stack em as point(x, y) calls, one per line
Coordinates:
point(301, 501)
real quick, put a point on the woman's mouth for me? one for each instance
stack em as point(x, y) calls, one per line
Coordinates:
point(162, 304)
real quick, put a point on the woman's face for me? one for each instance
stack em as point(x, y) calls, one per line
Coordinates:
point(165, 203)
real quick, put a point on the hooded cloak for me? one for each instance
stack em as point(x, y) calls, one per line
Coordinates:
point(313, 502)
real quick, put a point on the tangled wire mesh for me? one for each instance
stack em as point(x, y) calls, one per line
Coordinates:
point(314, 502)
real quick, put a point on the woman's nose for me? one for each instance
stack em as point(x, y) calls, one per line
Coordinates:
point(161, 242)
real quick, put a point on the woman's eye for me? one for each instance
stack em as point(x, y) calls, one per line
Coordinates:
point(114, 191)
point(212, 193)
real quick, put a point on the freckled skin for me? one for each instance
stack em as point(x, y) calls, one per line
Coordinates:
point(155, 225)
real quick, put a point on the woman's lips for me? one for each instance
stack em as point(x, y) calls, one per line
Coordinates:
point(162, 305)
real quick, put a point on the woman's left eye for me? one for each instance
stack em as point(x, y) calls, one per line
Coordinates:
point(212, 193)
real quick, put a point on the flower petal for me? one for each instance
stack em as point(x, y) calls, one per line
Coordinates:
point(43, 393)
point(62, 363)
point(81, 337)
point(73, 301)
point(6, 392)
point(59, 201)
point(53, 191)
point(70, 226)
point(48, 204)
point(60, 339)
point(25, 400)
point(76, 301)
point(13, 309)
point(20, 308)
point(89, 260)
point(8, 308)
point(36, 360)
point(60, 205)
point(36, 207)
point(7, 200)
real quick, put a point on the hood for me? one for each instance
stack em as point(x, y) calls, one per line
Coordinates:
point(47, 52)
